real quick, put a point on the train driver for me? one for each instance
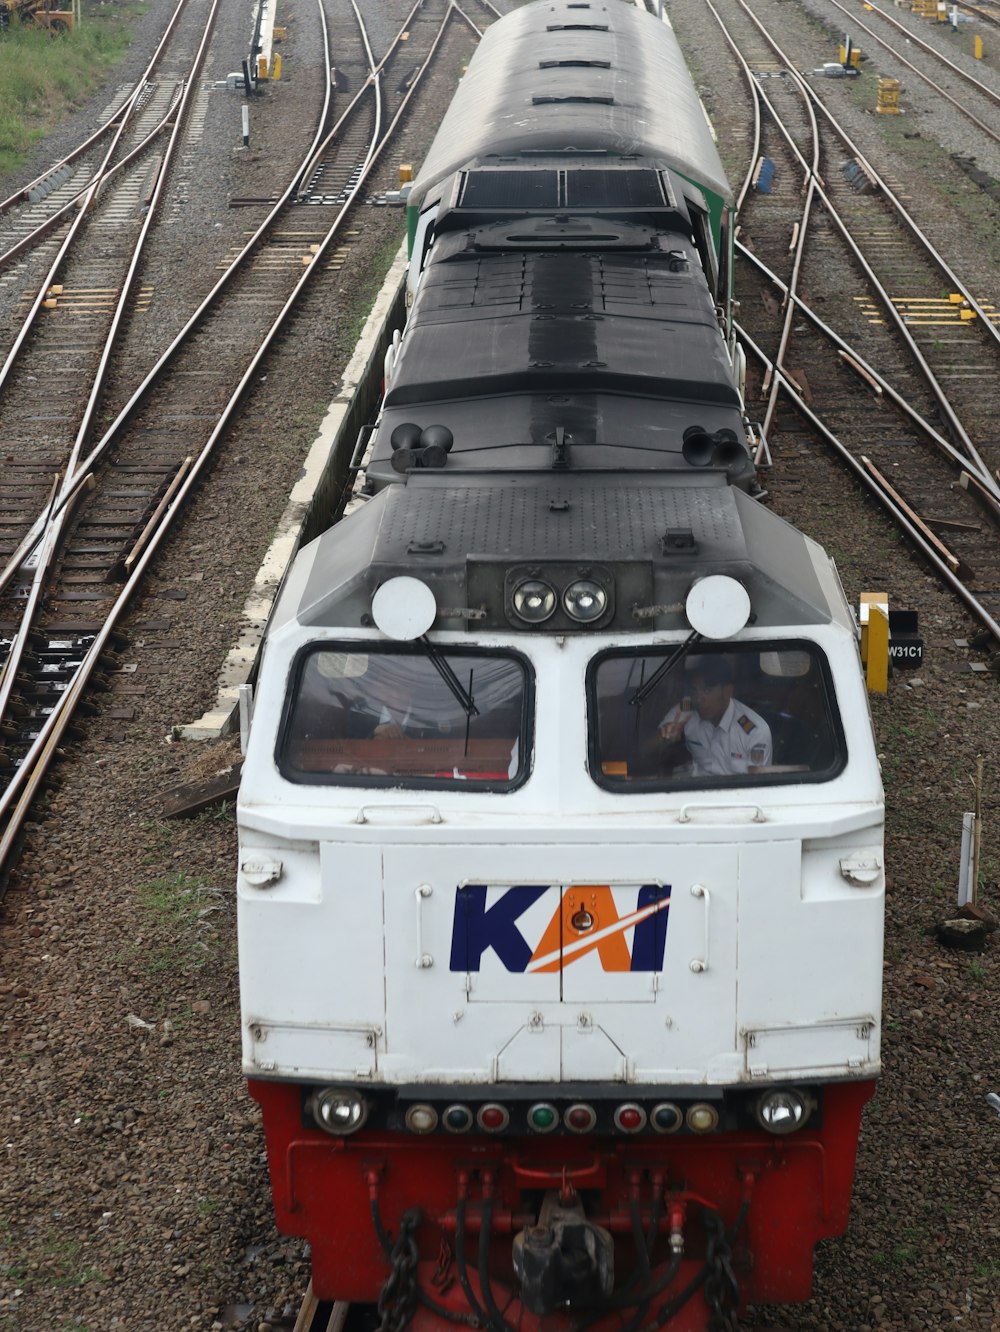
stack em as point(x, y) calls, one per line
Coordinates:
point(723, 736)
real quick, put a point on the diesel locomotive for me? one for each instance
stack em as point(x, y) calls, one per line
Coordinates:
point(560, 887)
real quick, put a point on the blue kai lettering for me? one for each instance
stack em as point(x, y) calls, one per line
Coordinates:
point(477, 928)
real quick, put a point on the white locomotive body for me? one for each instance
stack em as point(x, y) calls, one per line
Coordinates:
point(561, 880)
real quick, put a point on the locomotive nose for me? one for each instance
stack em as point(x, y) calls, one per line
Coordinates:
point(564, 1261)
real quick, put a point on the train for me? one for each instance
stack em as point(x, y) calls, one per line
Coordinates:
point(561, 880)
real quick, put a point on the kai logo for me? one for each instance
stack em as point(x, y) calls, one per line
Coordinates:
point(626, 926)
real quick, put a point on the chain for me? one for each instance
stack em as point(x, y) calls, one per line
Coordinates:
point(722, 1291)
point(398, 1297)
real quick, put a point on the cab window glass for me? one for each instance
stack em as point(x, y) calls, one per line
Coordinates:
point(743, 716)
point(396, 717)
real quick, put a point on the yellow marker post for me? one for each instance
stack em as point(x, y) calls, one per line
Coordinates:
point(276, 67)
point(262, 67)
point(978, 48)
point(874, 618)
point(887, 98)
point(869, 599)
point(877, 671)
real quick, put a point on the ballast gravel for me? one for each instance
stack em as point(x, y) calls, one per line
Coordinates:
point(133, 1191)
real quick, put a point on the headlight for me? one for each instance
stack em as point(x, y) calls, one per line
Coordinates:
point(585, 600)
point(783, 1111)
point(534, 600)
point(338, 1110)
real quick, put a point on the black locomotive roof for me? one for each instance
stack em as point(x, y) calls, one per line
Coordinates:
point(617, 347)
point(579, 78)
point(447, 534)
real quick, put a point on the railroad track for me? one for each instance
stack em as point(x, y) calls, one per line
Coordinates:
point(116, 159)
point(971, 96)
point(321, 1315)
point(895, 367)
point(86, 546)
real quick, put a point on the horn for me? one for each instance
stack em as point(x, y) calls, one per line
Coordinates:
point(698, 447)
point(439, 436)
point(728, 448)
point(405, 436)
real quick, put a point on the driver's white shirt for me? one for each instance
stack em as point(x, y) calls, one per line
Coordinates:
point(742, 740)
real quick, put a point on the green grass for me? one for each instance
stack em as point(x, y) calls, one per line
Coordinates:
point(43, 77)
point(181, 902)
point(176, 896)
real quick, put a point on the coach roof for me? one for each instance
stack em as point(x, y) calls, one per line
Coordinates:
point(564, 77)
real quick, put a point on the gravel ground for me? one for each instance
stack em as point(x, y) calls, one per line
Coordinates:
point(135, 1192)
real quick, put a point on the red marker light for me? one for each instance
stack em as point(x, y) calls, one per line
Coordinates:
point(630, 1118)
point(580, 1118)
point(493, 1118)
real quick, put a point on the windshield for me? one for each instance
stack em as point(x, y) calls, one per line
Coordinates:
point(739, 716)
point(390, 717)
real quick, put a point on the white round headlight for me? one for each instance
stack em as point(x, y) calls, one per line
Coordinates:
point(534, 600)
point(585, 600)
point(782, 1111)
point(339, 1110)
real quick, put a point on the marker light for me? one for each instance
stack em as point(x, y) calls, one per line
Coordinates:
point(580, 1118)
point(630, 1118)
point(493, 1118)
point(534, 601)
point(666, 1117)
point(421, 1119)
point(783, 1111)
point(543, 1118)
point(339, 1110)
point(702, 1118)
point(457, 1119)
point(584, 600)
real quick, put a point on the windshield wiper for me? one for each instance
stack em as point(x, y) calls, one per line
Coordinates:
point(462, 696)
point(664, 668)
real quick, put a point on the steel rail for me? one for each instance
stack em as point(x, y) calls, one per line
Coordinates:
point(756, 92)
point(97, 452)
point(862, 474)
point(86, 199)
point(469, 20)
point(811, 188)
point(16, 800)
point(20, 195)
point(32, 238)
point(811, 176)
point(940, 441)
point(912, 38)
point(60, 512)
point(886, 191)
point(988, 479)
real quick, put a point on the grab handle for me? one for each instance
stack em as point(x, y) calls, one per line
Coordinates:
point(700, 964)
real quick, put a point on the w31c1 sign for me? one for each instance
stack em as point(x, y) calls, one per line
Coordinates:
point(906, 647)
point(906, 653)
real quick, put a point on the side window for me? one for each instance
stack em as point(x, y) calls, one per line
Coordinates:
point(759, 714)
point(395, 717)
